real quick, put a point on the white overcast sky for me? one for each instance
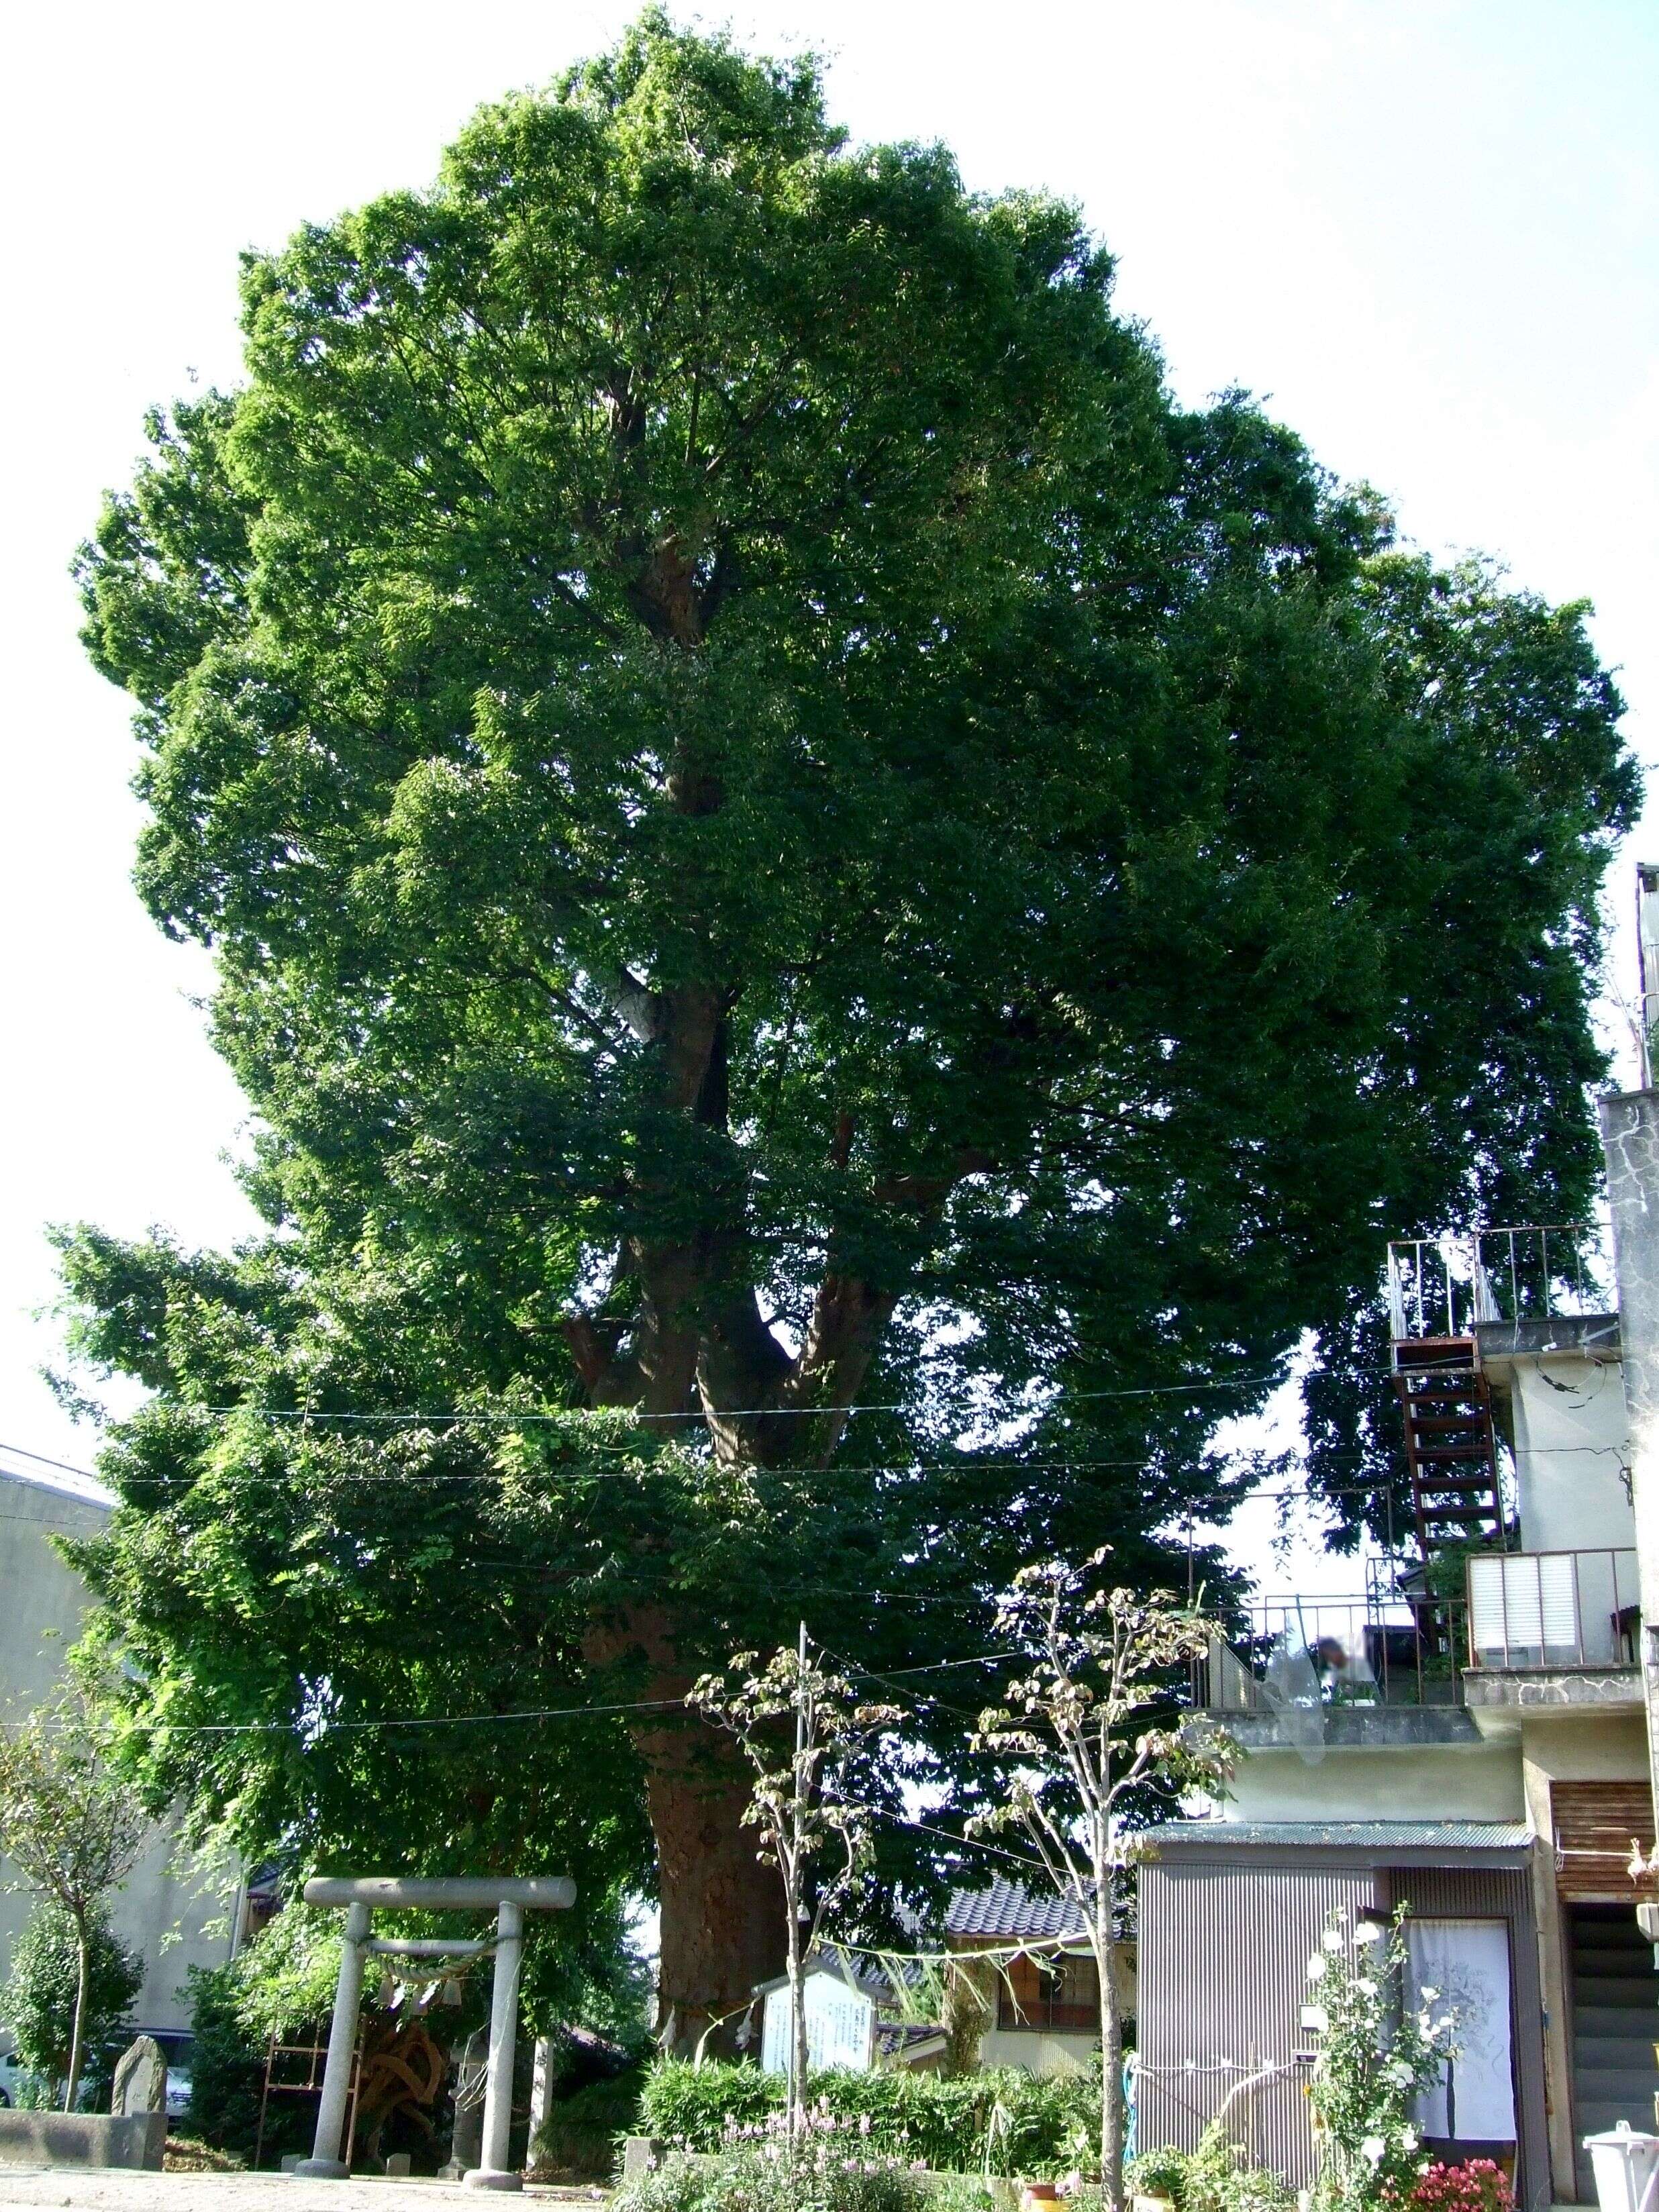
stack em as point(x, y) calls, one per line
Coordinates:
point(1427, 231)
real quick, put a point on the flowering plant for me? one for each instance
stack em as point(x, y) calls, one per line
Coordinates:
point(1477, 2186)
point(810, 2171)
point(1378, 2055)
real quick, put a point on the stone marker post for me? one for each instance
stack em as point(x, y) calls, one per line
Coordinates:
point(141, 2078)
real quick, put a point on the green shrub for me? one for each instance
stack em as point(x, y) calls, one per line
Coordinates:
point(1159, 2173)
point(38, 2001)
point(579, 2133)
point(1212, 2177)
point(775, 2177)
point(282, 1983)
point(226, 2067)
point(962, 2192)
point(1003, 2121)
point(694, 2107)
point(228, 2072)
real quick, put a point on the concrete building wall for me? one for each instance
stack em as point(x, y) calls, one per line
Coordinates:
point(1477, 1780)
point(1630, 1141)
point(1572, 1438)
point(170, 1913)
point(41, 1600)
point(1037, 2051)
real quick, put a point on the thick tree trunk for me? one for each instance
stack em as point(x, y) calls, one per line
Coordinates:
point(697, 1343)
point(722, 1911)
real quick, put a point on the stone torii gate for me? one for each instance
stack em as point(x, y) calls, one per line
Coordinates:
point(364, 1895)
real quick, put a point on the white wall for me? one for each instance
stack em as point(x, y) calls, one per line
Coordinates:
point(164, 1910)
point(1417, 1782)
point(1572, 1434)
point(1038, 2049)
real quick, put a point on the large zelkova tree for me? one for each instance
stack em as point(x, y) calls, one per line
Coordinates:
point(841, 922)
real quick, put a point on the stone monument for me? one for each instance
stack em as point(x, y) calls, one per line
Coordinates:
point(141, 2078)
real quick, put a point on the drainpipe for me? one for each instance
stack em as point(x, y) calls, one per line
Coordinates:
point(1630, 1138)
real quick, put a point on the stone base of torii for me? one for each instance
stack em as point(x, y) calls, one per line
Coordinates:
point(361, 1897)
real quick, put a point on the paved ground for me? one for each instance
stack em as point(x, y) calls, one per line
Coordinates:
point(102, 2189)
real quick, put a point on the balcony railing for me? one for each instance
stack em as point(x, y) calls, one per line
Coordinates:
point(1553, 1609)
point(1449, 1285)
point(1309, 1654)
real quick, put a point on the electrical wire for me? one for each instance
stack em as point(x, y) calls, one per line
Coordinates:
point(511, 1416)
point(326, 1726)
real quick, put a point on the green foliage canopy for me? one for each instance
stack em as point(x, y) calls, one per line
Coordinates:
point(782, 831)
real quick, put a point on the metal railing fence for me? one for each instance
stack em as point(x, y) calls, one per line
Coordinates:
point(1305, 1652)
point(1448, 1285)
point(1553, 1609)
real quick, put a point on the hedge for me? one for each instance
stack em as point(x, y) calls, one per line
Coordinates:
point(579, 2133)
point(1003, 2120)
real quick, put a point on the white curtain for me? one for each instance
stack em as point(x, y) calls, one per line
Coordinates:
point(1467, 1963)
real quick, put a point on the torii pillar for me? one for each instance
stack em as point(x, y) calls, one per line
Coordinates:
point(361, 1897)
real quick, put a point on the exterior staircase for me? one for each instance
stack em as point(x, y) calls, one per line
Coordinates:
point(1450, 1449)
point(1616, 2019)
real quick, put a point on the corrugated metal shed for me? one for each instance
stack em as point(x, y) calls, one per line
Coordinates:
point(1009, 1913)
point(1492, 1892)
point(1224, 1957)
point(1230, 1913)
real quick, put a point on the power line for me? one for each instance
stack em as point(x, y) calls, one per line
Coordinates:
point(314, 1732)
point(510, 1416)
point(949, 1835)
point(329, 1726)
point(40, 1460)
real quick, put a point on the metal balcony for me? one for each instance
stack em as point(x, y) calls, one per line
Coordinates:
point(1449, 1286)
point(1303, 1654)
point(1555, 1611)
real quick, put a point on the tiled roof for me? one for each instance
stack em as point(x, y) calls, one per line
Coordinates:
point(1007, 1909)
point(1361, 1835)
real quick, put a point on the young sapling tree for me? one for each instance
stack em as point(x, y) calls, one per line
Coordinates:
point(73, 1829)
point(1094, 1660)
point(816, 1837)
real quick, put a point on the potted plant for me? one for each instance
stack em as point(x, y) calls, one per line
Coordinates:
point(1158, 2181)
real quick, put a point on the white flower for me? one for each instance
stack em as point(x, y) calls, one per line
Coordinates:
point(1428, 1995)
point(1399, 2073)
point(1366, 1989)
point(1408, 2138)
point(1331, 1940)
point(1369, 1931)
point(1372, 2149)
point(1315, 1968)
point(1316, 2017)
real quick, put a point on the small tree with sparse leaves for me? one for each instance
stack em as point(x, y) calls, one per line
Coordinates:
point(73, 1829)
point(818, 1840)
point(1095, 1660)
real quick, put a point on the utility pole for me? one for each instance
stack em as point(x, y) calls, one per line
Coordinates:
point(798, 1912)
